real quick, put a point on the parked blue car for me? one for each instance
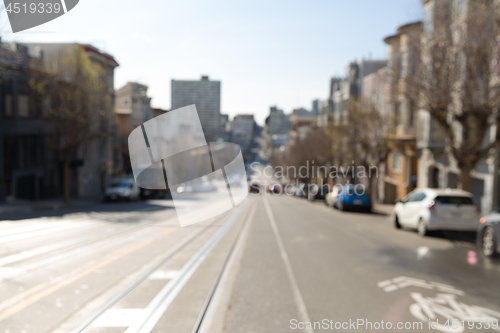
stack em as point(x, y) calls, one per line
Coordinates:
point(351, 198)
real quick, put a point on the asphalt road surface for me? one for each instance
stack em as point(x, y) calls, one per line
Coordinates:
point(272, 264)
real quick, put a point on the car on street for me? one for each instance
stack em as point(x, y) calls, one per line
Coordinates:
point(317, 193)
point(353, 198)
point(152, 194)
point(302, 190)
point(254, 188)
point(122, 189)
point(488, 233)
point(274, 188)
point(331, 197)
point(427, 209)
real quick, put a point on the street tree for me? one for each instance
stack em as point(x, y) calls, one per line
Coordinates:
point(363, 139)
point(77, 98)
point(459, 78)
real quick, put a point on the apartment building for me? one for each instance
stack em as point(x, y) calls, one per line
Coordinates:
point(206, 95)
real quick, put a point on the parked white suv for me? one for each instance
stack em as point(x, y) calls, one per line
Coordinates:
point(437, 209)
point(122, 189)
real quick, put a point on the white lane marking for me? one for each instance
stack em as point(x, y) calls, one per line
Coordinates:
point(299, 300)
point(404, 282)
point(28, 228)
point(120, 318)
point(9, 272)
point(161, 302)
point(164, 275)
point(48, 248)
point(38, 233)
point(157, 307)
point(422, 251)
point(235, 260)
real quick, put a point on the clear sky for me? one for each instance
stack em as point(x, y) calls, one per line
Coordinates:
point(265, 53)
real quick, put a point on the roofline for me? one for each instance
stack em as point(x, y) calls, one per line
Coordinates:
point(400, 30)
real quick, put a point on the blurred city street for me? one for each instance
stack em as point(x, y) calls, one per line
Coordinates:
point(128, 267)
point(255, 167)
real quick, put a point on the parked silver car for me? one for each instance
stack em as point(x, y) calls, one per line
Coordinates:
point(437, 209)
point(122, 189)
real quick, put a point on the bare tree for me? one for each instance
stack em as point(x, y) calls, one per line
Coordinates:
point(459, 78)
point(76, 100)
point(311, 152)
point(363, 139)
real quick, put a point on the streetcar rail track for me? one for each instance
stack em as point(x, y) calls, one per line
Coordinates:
point(177, 285)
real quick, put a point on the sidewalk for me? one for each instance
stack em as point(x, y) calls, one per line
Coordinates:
point(26, 206)
point(385, 209)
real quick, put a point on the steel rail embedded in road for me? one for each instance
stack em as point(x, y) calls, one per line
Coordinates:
point(201, 254)
point(206, 309)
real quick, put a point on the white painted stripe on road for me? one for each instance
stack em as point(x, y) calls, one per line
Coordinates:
point(28, 228)
point(9, 273)
point(161, 302)
point(164, 275)
point(49, 248)
point(120, 318)
point(157, 307)
point(299, 300)
point(36, 233)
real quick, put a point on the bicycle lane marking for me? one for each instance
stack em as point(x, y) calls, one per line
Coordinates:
point(455, 316)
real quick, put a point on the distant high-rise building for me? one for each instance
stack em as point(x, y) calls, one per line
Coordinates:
point(345, 91)
point(243, 131)
point(205, 94)
point(278, 121)
point(315, 106)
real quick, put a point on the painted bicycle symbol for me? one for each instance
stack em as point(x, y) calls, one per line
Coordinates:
point(446, 314)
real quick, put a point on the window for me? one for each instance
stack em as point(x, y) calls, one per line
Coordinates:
point(414, 197)
point(46, 107)
point(23, 106)
point(411, 114)
point(396, 161)
point(410, 197)
point(428, 18)
point(8, 105)
point(460, 6)
point(397, 113)
point(453, 200)
point(414, 64)
point(405, 63)
point(419, 197)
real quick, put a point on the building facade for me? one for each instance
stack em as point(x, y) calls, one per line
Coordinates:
point(206, 95)
point(401, 111)
point(436, 168)
point(132, 109)
point(243, 131)
point(132, 101)
point(29, 168)
point(345, 91)
point(278, 121)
